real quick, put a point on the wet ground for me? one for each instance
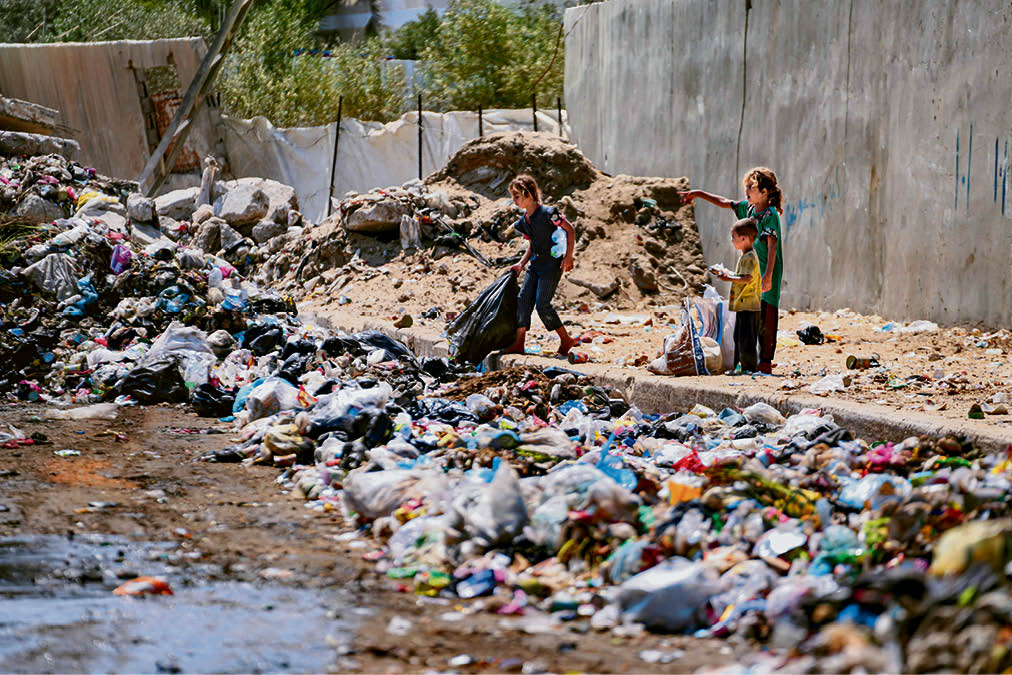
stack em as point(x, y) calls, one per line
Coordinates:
point(260, 583)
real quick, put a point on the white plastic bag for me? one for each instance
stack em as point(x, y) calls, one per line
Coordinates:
point(273, 395)
point(671, 595)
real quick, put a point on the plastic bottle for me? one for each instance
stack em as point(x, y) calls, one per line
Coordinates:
point(558, 243)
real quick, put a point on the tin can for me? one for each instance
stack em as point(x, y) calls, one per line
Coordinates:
point(862, 362)
point(578, 357)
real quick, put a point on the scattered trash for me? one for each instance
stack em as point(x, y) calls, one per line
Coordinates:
point(144, 586)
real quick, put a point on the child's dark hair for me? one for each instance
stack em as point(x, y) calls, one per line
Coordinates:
point(526, 185)
point(746, 227)
point(763, 178)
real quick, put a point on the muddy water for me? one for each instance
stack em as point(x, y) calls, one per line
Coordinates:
point(58, 613)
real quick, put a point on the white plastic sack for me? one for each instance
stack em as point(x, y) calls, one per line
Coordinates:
point(727, 319)
point(491, 513)
point(272, 395)
point(54, 274)
point(411, 235)
point(669, 596)
point(340, 402)
point(99, 411)
point(179, 337)
point(763, 412)
point(374, 494)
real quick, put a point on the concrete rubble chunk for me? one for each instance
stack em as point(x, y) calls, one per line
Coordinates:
point(202, 213)
point(229, 236)
point(602, 287)
point(643, 276)
point(17, 143)
point(141, 208)
point(242, 205)
point(266, 230)
point(384, 216)
point(178, 204)
point(281, 198)
point(145, 233)
point(171, 228)
point(208, 237)
point(36, 210)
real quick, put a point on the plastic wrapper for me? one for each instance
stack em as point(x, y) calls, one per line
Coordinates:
point(670, 596)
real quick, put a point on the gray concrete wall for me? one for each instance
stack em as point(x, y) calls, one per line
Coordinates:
point(93, 87)
point(889, 126)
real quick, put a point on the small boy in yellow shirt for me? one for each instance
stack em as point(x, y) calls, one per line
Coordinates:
point(745, 294)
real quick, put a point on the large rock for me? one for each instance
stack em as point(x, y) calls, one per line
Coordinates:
point(208, 237)
point(643, 276)
point(144, 233)
point(601, 287)
point(141, 208)
point(19, 143)
point(378, 217)
point(229, 236)
point(242, 205)
point(281, 198)
point(36, 210)
point(178, 204)
point(266, 230)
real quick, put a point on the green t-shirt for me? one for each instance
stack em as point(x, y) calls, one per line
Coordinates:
point(769, 226)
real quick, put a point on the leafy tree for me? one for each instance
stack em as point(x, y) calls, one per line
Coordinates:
point(281, 70)
point(94, 20)
point(408, 41)
point(492, 55)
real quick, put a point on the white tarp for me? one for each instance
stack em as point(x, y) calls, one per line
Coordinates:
point(370, 154)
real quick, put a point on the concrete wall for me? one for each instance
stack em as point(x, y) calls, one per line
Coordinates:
point(94, 88)
point(889, 126)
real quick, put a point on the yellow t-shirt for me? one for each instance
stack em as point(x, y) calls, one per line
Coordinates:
point(745, 295)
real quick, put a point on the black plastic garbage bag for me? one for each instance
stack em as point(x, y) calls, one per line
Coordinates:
point(443, 410)
point(294, 367)
point(262, 338)
point(210, 401)
point(361, 344)
point(488, 324)
point(811, 335)
point(154, 383)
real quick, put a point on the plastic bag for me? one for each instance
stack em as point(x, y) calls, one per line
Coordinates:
point(726, 329)
point(99, 411)
point(210, 401)
point(670, 596)
point(154, 382)
point(697, 347)
point(374, 494)
point(490, 513)
point(488, 324)
point(411, 236)
point(273, 395)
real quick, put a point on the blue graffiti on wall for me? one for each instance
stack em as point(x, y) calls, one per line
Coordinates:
point(814, 208)
point(1000, 186)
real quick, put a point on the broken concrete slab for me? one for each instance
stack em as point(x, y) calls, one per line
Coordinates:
point(266, 230)
point(281, 198)
point(243, 204)
point(20, 143)
point(208, 237)
point(27, 117)
point(145, 233)
point(602, 288)
point(178, 204)
point(229, 236)
point(378, 217)
point(141, 208)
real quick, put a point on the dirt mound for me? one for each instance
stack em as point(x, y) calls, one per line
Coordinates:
point(486, 165)
point(636, 246)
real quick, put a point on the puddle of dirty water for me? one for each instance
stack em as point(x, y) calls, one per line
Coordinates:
point(58, 614)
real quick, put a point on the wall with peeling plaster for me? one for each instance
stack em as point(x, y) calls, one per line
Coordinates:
point(889, 126)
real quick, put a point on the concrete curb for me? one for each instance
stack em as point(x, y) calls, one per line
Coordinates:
point(656, 393)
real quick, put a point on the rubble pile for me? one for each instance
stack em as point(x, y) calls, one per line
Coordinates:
point(646, 248)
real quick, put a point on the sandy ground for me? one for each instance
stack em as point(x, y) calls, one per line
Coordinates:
point(136, 476)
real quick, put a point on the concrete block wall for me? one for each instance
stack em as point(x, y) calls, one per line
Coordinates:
point(94, 88)
point(889, 126)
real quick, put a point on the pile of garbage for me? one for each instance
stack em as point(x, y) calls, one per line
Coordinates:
point(93, 274)
point(539, 495)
